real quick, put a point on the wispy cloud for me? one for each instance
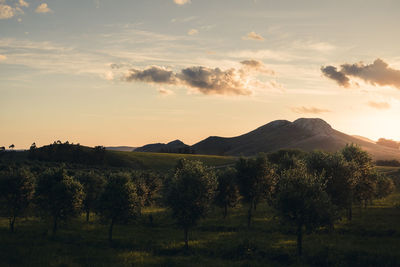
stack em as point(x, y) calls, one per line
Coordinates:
point(165, 92)
point(182, 2)
point(22, 3)
point(43, 8)
point(379, 105)
point(208, 81)
point(253, 36)
point(2, 57)
point(309, 110)
point(377, 73)
point(193, 32)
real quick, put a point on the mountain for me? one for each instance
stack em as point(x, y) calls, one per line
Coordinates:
point(306, 134)
point(176, 146)
point(364, 139)
point(121, 148)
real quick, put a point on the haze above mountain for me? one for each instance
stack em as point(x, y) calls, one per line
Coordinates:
point(306, 134)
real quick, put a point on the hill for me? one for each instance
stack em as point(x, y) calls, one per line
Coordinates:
point(83, 156)
point(176, 146)
point(304, 134)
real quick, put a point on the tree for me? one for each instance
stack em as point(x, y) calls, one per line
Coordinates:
point(256, 178)
point(58, 196)
point(384, 186)
point(361, 170)
point(189, 193)
point(12, 146)
point(16, 192)
point(118, 203)
point(337, 172)
point(93, 186)
point(301, 200)
point(227, 191)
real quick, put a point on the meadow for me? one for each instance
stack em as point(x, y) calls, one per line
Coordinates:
point(372, 238)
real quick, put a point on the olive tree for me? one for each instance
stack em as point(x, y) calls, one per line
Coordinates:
point(93, 185)
point(189, 194)
point(58, 196)
point(16, 193)
point(255, 178)
point(338, 175)
point(301, 200)
point(119, 202)
point(227, 194)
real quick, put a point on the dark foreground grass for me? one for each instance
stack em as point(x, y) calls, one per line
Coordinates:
point(371, 239)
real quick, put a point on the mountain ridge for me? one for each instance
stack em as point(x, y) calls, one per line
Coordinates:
point(304, 133)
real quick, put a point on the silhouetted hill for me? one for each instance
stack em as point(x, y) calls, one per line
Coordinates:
point(304, 134)
point(176, 146)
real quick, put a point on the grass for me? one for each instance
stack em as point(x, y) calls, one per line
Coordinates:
point(371, 239)
point(167, 161)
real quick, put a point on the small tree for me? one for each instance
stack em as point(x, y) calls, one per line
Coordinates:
point(227, 191)
point(384, 186)
point(58, 196)
point(16, 192)
point(256, 179)
point(301, 200)
point(189, 194)
point(118, 203)
point(93, 186)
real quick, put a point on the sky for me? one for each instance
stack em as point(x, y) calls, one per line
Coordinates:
point(124, 72)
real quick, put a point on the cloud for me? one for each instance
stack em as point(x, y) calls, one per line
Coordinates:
point(181, 2)
point(43, 8)
point(2, 57)
point(377, 73)
point(309, 110)
point(338, 76)
point(208, 81)
point(379, 105)
point(193, 32)
point(257, 66)
point(6, 11)
point(22, 3)
point(152, 74)
point(165, 92)
point(253, 36)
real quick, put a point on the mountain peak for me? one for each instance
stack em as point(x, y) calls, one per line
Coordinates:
point(314, 125)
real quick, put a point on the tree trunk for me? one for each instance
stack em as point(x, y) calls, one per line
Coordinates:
point(185, 233)
point(299, 240)
point(110, 231)
point(12, 221)
point(249, 214)
point(350, 213)
point(87, 215)
point(225, 210)
point(54, 225)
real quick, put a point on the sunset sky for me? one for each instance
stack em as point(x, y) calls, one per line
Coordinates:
point(129, 72)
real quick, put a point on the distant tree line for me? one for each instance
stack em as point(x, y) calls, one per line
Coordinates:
point(388, 143)
point(307, 191)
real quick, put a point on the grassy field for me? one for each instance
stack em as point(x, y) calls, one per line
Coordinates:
point(133, 160)
point(167, 161)
point(371, 239)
